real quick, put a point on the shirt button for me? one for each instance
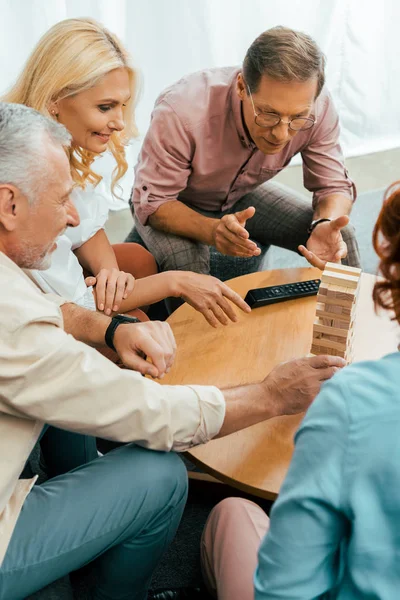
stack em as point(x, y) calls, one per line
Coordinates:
point(144, 188)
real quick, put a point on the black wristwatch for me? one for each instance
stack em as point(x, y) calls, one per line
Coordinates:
point(115, 321)
point(315, 223)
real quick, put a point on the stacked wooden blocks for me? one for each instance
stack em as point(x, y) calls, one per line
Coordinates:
point(336, 303)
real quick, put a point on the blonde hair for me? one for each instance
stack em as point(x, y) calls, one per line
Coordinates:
point(70, 58)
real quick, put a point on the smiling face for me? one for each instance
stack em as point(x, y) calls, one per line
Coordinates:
point(285, 99)
point(93, 115)
point(29, 230)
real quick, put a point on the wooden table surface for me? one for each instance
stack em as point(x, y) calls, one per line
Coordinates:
point(256, 459)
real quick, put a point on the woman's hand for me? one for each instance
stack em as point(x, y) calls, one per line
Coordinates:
point(209, 296)
point(111, 287)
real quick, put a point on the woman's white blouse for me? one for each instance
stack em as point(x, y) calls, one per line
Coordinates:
point(65, 275)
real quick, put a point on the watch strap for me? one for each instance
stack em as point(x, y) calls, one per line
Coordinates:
point(315, 223)
point(115, 322)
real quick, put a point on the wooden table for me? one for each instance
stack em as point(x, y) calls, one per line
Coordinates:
point(256, 459)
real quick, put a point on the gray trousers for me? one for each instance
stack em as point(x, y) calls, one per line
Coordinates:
point(119, 511)
point(281, 219)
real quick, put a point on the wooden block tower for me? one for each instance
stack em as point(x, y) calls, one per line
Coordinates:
point(336, 302)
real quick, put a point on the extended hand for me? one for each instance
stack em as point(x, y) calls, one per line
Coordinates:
point(154, 339)
point(326, 244)
point(231, 237)
point(294, 385)
point(209, 296)
point(111, 287)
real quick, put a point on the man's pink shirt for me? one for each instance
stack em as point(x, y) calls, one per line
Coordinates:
point(197, 149)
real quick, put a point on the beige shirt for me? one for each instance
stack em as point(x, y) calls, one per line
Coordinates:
point(46, 376)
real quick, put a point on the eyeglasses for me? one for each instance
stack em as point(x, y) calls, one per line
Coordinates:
point(272, 119)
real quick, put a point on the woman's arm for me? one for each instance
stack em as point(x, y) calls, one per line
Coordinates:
point(97, 254)
point(111, 285)
point(205, 293)
point(117, 291)
point(298, 559)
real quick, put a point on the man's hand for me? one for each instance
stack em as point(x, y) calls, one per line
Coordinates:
point(231, 237)
point(288, 389)
point(111, 286)
point(326, 244)
point(154, 339)
point(209, 296)
point(294, 385)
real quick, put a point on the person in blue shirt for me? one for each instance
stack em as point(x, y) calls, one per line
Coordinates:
point(334, 531)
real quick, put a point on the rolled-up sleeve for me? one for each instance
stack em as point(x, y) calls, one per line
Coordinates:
point(51, 377)
point(324, 172)
point(164, 163)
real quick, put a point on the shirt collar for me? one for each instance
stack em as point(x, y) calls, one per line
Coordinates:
point(236, 103)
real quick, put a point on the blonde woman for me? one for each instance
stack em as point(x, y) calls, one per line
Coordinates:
point(80, 74)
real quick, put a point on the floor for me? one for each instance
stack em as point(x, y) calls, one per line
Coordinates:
point(369, 172)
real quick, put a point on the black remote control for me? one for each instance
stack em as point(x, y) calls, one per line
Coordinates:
point(279, 293)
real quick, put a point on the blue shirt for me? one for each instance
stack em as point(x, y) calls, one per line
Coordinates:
point(335, 528)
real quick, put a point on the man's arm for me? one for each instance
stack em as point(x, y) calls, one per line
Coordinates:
point(177, 218)
point(162, 173)
point(333, 191)
point(332, 206)
point(67, 384)
point(85, 325)
point(132, 341)
point(324, 173)
point(228, 234)
point(288, 389)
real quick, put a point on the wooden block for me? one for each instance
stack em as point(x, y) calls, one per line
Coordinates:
point(315, 349)
point(335, 331)
point(338, 312)
point(327, 343)
point(333, 301)
point(339, 268)
point(342, 324)
point(333, 290)
point(340, 296)
point(335, 278)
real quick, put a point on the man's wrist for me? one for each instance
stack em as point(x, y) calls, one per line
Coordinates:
point(212, 233)
point(315, 222)
point(85, 325)
point(116, 321)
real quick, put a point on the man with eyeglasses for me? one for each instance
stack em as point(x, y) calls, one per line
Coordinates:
point(216, 139)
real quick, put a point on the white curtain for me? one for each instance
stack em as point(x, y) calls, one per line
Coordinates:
point(170, 38)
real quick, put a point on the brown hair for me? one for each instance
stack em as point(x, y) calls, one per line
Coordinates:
point(386, 240)
point(284, 55)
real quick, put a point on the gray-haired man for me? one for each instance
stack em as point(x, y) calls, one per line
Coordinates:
point(121, 510)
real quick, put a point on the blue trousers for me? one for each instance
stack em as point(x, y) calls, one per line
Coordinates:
point(120, 510)
point(63, 450)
